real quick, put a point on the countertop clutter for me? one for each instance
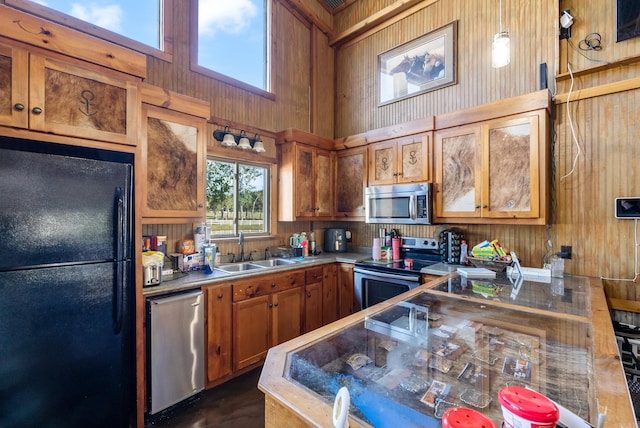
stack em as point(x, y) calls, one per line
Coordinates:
point(194, 279)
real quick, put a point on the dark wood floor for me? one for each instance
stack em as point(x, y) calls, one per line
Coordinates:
point(237, 403)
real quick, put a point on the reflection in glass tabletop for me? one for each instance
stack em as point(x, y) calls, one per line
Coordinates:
point(406, 364)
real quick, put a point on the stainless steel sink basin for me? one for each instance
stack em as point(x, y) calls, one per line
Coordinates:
point(239, 267)
point(273, 262)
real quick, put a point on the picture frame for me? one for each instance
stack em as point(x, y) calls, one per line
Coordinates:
point(418, 66)
point(627, 19)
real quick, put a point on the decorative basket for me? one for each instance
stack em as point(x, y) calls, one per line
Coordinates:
point(494, 265)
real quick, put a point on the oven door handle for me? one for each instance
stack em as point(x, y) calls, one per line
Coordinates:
point(412, 278)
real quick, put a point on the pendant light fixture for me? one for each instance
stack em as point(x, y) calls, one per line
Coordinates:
point(501, 49)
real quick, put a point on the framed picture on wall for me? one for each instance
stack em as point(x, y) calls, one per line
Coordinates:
point(418, 66)
point(627, 19)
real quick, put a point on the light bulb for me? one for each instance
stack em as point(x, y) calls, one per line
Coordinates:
point(501, 49)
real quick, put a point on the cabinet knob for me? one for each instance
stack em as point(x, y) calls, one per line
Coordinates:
point(36, 110)
point(218, 350)
point(18, 106)
point(484, 206)
point(200, 205)
point(309, 295)
point(477, 206)
point(276, 305)
point(271, 305)
point(220, 296)
point(273, 285)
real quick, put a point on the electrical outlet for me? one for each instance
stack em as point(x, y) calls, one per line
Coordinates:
point(565, 251)
point(566, 22)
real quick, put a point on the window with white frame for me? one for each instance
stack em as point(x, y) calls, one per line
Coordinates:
point(238, 198)
point(232, 39)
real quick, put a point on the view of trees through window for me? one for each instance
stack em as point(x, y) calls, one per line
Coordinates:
point(237, 198)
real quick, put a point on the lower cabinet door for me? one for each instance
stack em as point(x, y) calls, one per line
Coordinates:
point(218, 332)
point(312, 306)
point(287, 315)
point(251, 331)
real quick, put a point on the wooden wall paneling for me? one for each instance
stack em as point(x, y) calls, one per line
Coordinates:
point(292, 71)
point(322, 78)
point(478, 82)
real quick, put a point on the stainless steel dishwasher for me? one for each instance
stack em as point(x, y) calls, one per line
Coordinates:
point(175, 348)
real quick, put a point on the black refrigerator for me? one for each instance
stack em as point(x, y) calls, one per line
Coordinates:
point(67, 316)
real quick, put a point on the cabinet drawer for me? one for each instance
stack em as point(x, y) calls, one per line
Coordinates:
point(313, 275)
point(267, 284)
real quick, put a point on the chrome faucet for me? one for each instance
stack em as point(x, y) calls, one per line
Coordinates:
point(241, 243)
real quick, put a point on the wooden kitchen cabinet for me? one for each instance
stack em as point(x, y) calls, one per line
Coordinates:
point(49, 95)
point(173, 162)
point(346, 294)
point(350, 180)
point(313, 298)
point(267, 310)
point(305, 176)
point(265, 321)
point(492, 171)
point(330, 293)
point(219, 319)
point(305, 172)
point(403, 160)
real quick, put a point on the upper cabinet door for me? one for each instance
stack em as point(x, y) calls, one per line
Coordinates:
point(69, 100)
point(304, 180)
point(173, 161)
point(414, 159)
point(350, 181)
point(14, 87)
point(405, 160)
point(511, 159)
point(458, 165)
point(383, 163)
point(323, 183)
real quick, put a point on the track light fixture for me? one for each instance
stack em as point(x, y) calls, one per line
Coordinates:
point(241, 141)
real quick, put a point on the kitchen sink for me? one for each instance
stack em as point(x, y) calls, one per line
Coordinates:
point(273, 262)
point(239, 267)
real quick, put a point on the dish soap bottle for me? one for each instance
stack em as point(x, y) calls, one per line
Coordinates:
point(463, 252)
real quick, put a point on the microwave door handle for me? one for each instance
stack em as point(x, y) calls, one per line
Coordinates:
point(412, 207)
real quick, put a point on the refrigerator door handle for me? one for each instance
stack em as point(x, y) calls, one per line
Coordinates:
point(120, 226)
point(120, 274)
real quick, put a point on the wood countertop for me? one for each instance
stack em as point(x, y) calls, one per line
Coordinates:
point(288, 403)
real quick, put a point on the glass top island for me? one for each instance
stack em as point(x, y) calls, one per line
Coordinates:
point(453, 342)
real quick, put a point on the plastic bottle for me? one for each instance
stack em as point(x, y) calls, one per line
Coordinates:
point(376, 249)
point(463, 252)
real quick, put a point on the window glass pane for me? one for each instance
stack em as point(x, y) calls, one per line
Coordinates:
point(138, 20)
point(220, 197)
point(232, 37)
point(237, 198)
point(251, 198)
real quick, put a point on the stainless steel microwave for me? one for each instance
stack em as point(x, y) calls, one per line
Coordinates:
point(400, 204)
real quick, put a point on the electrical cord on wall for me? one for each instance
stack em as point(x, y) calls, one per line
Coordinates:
point(593, 42)
point(573, 131)
point(635, 254)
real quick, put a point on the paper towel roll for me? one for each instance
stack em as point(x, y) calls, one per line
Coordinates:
point(341, 408)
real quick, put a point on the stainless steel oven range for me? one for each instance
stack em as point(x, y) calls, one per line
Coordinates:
point(377, 281)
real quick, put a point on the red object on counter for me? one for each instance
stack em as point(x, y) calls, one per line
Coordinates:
point(521, 406)
point(463, 417)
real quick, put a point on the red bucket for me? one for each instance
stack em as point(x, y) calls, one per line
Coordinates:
point(526, 408)
point(463, 417)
